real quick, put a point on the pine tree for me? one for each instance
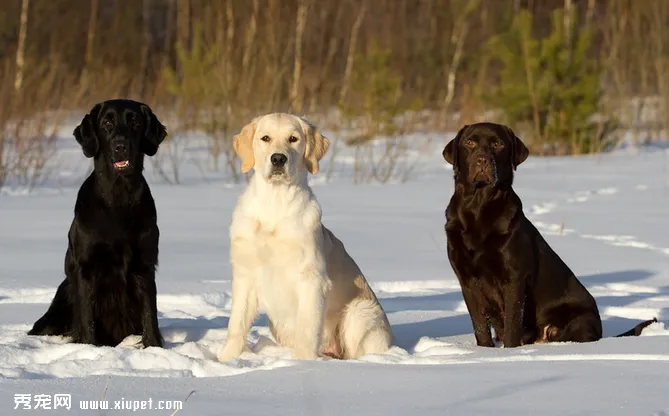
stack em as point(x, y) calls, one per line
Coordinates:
point(552, 84)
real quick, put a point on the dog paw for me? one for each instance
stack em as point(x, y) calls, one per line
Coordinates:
point(226, 356)
point(152, 342)
point(231, 351)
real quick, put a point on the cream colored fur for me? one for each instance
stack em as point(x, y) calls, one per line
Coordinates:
point(286, 262)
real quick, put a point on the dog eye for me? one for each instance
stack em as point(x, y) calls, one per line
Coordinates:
point(134, 123)
point(470, 143)
point(265, 138)
point(498, 144)
point(107, 123)
point(292, 139)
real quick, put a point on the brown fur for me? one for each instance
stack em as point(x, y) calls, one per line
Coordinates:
point(510, 277)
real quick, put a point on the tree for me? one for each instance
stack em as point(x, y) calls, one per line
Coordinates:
point(552, 83)
point(295, 96)
point(376, 104)
point(201, 94)
point(21, 47)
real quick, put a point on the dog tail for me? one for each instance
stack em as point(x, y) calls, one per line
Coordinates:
point(636, 331)
point(364, 329)
point(57, 319)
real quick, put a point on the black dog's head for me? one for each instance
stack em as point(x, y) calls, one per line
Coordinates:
point(118, 133)
point(485, 154)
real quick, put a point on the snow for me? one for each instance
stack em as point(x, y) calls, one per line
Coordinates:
point(605, 215)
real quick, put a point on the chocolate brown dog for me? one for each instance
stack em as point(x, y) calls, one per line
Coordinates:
point(510, 277)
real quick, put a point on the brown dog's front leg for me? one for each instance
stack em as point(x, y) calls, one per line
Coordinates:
point(480, 322)
point(461, 263)
point(514, 306)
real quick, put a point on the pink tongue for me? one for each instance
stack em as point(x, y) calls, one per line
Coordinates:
point(121, 163)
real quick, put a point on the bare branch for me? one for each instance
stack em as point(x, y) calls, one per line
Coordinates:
point(355, 30)
point(295, 96)
point(21, 47)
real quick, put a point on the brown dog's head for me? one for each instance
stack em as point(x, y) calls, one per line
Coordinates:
point(485, 154)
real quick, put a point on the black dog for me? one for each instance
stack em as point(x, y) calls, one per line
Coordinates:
point(110, 291)
point(510, 277)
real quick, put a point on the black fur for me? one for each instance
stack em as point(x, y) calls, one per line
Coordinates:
point(110, 291)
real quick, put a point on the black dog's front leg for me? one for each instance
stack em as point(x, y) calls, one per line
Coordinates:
point(145, 262)
point(151, 336)
point(84, 322)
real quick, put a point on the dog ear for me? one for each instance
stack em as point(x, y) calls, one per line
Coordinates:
point(450, 152)
point(243, 144)
point(154, 134)
point(316, 146)
point(519, 152)
point(85, 132)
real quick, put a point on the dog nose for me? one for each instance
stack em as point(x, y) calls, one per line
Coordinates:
point(483, 161)
point(119, 147)
point(278, 159)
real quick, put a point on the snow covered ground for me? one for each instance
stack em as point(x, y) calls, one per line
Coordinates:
point(607, 217)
